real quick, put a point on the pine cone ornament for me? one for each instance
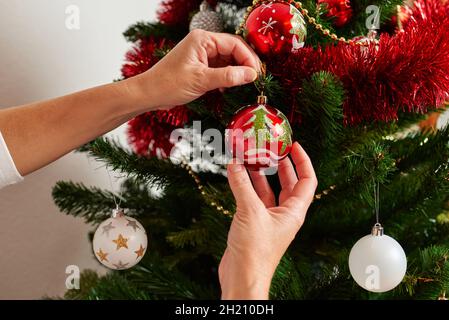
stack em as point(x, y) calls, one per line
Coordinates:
point(207, 19)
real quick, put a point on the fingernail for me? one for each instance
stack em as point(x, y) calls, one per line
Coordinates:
point(250, 75)
point(235, 167)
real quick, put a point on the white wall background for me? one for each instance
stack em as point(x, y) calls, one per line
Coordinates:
point(40, 59)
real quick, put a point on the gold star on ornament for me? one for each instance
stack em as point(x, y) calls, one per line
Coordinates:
point(103, 256)
point(121, 242)
point(140, 252)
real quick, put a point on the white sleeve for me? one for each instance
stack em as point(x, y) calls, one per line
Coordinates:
point(8, 171)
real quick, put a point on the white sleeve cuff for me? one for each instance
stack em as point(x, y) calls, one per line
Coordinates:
point(8, 171)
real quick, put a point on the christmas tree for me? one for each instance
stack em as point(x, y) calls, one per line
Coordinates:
point(356, 101)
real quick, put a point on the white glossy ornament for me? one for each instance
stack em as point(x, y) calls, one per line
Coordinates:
point(120, 242)
point(377, 262)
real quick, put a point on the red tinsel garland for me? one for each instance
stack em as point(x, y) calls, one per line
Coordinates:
point(149, 133)
point(142, 56)
point(408, 71)
point(422, 10)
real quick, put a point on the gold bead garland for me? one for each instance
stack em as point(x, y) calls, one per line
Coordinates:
point(324, 193)
point(201, 189)
point(219, 208)
point(312, 21)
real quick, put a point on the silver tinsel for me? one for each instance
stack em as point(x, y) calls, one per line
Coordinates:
point(232, 15)
point(207, 19)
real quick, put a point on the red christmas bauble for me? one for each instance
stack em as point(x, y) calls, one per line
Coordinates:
point(339, 10)
point(259, 136)
point(274, 28)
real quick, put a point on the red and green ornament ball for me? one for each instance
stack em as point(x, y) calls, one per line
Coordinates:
point(259, 136)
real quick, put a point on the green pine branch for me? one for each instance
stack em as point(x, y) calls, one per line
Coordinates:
point(142, 30)
point(153, 171)
point(116, 287)
point(93, 204)
point(288, 283)
point(428, 273)
point(189, 237)
point(321, 109)
point(164, 283)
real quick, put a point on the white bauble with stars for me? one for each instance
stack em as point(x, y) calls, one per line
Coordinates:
point(120, 242)
point(377, 262)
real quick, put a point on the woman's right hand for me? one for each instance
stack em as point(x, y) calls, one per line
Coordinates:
point(201, 62)
point(261, 231)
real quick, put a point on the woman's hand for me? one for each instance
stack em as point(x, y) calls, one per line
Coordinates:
point(41, 132)
point(261, 231)
point(202, 62)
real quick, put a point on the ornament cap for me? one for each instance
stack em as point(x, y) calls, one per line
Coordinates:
point(118, 212)
point(262, 99)
point(377, 230)
point(204, 6)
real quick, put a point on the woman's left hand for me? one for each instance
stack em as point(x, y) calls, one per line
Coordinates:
point(261, 231)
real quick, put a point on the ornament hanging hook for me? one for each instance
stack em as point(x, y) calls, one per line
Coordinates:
point(260, 84)
point(117, 203)
point(261, 79)
point(377, 200)
point(377, 230)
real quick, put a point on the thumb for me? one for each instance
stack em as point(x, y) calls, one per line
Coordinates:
point(230, 76)
point(241, 186)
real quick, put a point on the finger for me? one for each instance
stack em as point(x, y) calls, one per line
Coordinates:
point(227, 77)
point(287, 175)
point(241, 186)
point(263, 188)
point(229, 45)
point(256, 57)
point(304, 190)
